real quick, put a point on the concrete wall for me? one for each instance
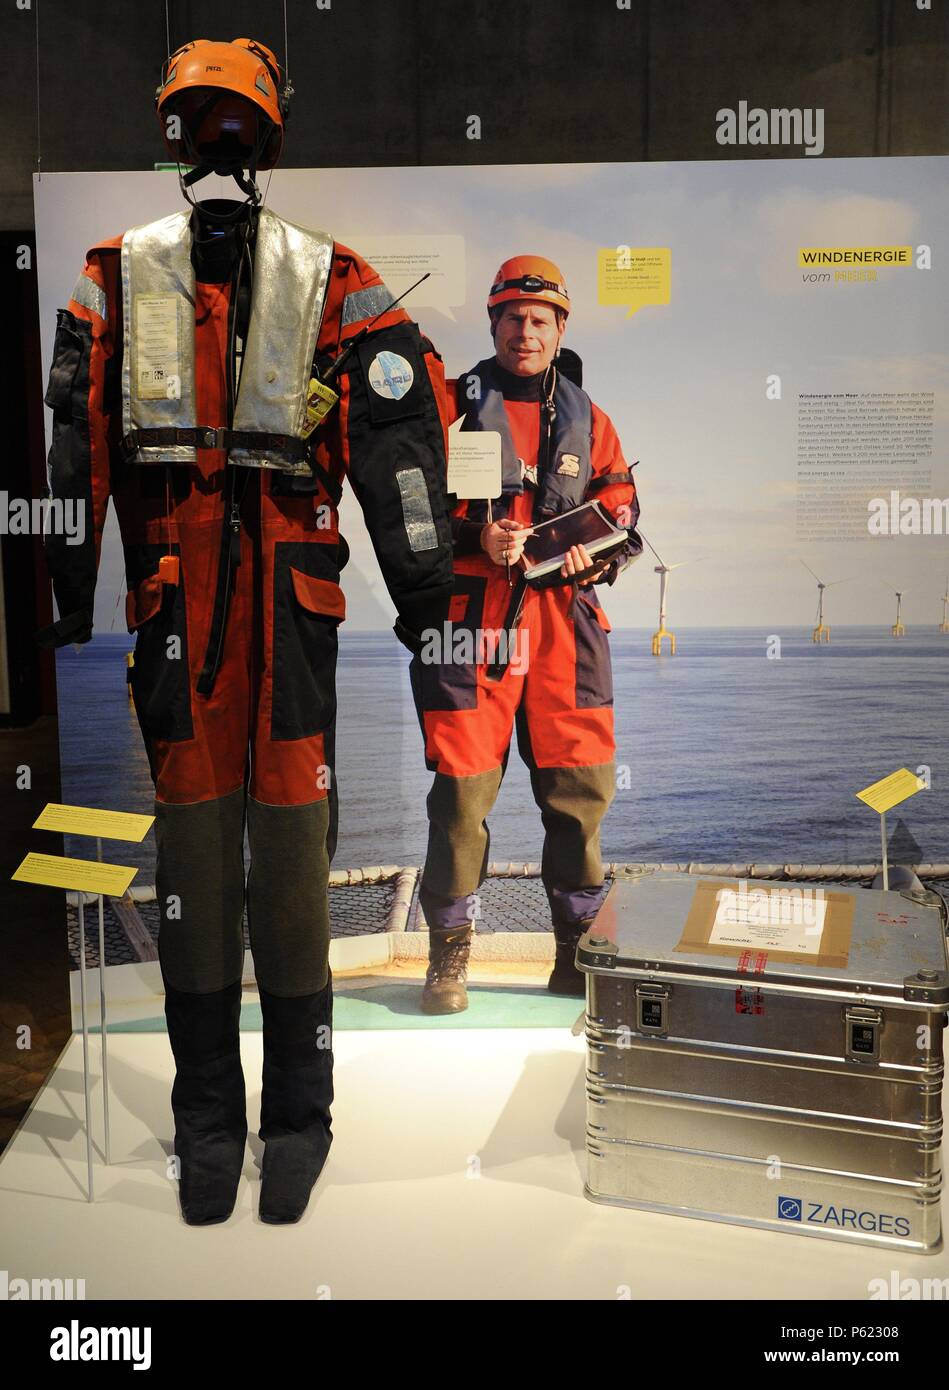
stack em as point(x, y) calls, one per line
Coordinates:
point(389, 84)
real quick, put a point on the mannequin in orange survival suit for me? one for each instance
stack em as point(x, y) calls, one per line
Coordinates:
point(227, 509)
point(558, 450)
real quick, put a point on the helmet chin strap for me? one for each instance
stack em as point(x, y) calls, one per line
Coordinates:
point(247, 184)
point(203, 166)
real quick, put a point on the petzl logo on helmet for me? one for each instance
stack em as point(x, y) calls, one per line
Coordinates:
point(391, 375)
point(789, 1208)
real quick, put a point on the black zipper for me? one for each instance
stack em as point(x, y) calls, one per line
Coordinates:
point(230, 553)
point(230, 548)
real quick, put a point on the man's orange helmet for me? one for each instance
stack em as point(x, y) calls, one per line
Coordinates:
point(232, 104)
point(529, 277)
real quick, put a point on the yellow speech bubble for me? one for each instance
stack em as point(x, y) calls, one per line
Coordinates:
point(634, 275)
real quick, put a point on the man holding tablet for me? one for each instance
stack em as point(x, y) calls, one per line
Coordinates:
point(541, 660)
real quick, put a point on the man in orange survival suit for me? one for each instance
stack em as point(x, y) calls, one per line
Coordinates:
point(558, 450)
point(226, 500)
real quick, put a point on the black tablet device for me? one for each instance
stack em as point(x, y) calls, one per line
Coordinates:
point(589, 526)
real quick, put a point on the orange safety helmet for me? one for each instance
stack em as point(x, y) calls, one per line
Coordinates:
point(529, 277)
point(232, 102)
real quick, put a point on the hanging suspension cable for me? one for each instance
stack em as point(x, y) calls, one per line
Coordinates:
point(39, 150)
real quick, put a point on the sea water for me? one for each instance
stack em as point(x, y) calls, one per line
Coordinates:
point(724, 753)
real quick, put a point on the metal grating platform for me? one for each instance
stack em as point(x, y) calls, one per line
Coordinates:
point(356, 910)
point(362, 902)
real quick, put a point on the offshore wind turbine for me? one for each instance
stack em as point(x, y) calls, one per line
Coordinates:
point(821, 632)
point(944, 625)
point(899, 628)
point(663, 570)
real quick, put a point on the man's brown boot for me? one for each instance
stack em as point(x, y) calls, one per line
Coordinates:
point(448, 950)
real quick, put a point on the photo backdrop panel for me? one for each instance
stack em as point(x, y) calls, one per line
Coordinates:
point(769, 340)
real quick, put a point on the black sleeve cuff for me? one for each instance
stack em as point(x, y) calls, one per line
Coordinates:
point(407, 637)
point(419, 613)
point(77, 627)
point(466, 535)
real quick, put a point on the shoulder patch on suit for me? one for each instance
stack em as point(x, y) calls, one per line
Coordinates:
point(394, 373)
point(390, 375)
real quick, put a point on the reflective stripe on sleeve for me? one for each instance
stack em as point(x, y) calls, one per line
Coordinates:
point(365, 304)
point(417, 509)
point(91, 296)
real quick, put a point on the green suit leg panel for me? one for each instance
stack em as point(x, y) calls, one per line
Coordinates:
point(458, 835)
point(573, 802)
point(287, 905)
point(199, 880)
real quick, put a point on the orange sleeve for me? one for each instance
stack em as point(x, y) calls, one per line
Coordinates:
point(98, 304)
point(84, 397)
point(389, 436)
point(355, 295)
point(618, 495)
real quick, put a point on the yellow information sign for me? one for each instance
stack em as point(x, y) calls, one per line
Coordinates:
point(77, 875)
point(890, 791)
point(634, 276)
point(89, 820)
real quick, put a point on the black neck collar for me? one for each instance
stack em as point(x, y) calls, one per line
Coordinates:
point(521, 388)
point(216, 245)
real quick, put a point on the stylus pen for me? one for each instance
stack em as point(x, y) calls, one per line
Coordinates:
point(507, 562)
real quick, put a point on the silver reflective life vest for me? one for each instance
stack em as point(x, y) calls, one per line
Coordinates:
point(159, 413)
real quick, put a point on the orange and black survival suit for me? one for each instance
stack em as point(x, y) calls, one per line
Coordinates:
point(179, 388)
point(545, 672)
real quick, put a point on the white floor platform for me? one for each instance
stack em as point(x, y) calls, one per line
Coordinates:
point(457, 1172)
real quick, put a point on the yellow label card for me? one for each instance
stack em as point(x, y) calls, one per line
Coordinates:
point(77, 875)
point(89, 820)
point(890, 791)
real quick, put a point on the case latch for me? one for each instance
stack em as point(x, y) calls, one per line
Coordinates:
point(864, 1026)
point(652, 1006)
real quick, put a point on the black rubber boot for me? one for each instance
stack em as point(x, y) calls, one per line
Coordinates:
point(565, 978)
point(208, 1100)
point(448, 952)
point(295, 1101)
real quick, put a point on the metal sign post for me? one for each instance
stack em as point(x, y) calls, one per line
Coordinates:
point(103, 880)
point(90, 1194)
point(103, 1021)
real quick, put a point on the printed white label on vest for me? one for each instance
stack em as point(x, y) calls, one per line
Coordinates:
point(390, 375)
point(157, 346)
point(474, 462)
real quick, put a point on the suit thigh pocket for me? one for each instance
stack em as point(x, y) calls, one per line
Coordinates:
point(594, 669)
point(160, 678)
point(308, 606)
point(451, 681)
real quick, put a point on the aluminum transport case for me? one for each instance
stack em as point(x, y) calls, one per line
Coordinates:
point(768, 1054)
